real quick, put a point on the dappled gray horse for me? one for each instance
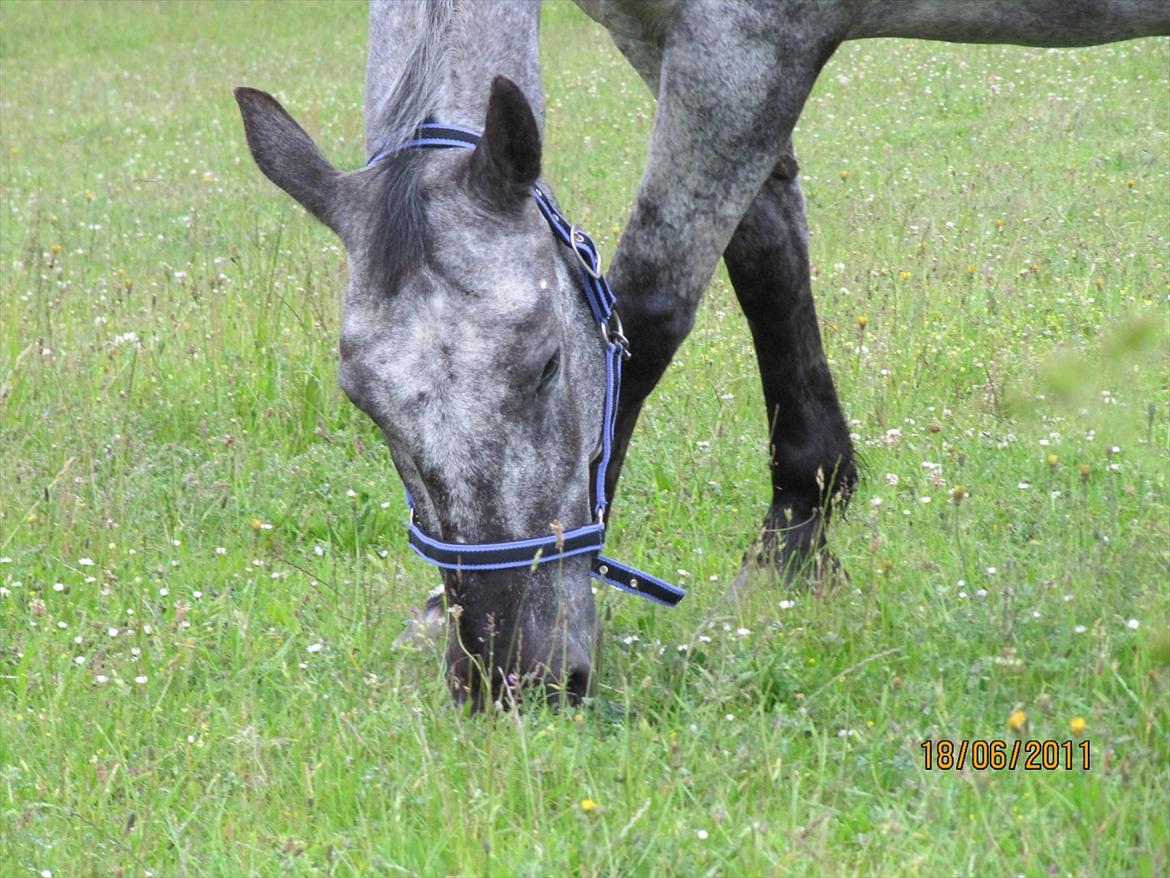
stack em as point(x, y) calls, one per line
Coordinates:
point(466, 337)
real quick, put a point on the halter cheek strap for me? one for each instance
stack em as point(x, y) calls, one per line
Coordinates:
point(588, 538)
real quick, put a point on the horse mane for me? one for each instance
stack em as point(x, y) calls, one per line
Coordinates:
point(399, 226)
point(414, 96)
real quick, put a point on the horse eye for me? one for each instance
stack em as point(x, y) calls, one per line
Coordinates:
point(551, 368)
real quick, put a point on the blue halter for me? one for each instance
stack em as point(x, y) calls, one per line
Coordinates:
point(589, 538)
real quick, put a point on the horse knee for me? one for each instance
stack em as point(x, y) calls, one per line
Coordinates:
point(655, 327)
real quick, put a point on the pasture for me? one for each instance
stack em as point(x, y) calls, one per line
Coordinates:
point(203, 565)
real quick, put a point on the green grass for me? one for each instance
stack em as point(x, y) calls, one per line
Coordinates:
point(188, 499)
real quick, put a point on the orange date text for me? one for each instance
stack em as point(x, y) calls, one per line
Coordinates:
point(991, 755)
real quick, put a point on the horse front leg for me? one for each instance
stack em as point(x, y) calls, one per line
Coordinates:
point(811, 455)
point(729, 93)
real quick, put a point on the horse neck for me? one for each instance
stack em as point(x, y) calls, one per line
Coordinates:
point(437, 58)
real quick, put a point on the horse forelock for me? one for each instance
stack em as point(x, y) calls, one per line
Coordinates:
point(397, 224)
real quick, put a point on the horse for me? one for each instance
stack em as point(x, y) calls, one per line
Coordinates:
point(465, 335)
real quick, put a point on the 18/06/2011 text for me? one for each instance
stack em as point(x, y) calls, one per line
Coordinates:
point(982, 755)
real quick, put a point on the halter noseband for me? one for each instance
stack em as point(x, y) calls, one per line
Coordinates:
point(588, 538)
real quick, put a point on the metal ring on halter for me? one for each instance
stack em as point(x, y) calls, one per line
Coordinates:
point(615, 335)
point(579, 238)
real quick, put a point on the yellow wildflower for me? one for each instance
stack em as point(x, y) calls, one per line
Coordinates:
point(1017, 721)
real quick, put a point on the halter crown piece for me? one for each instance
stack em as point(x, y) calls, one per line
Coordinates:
point(588, 538)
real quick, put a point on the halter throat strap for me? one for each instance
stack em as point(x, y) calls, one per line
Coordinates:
point(588, 538)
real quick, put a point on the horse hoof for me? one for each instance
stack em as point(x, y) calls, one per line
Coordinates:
point(820, 571)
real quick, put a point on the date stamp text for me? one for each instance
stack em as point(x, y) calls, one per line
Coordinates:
point(993, 755)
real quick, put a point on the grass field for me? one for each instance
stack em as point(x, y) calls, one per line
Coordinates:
point(203, 568)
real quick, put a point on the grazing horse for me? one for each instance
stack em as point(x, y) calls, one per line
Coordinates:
point(466, 336)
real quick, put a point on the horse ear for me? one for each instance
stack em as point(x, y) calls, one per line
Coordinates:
point(506, 162)
point(289, 158)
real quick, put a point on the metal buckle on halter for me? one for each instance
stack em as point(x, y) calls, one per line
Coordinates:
point(613, 334)
point(579, 239)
